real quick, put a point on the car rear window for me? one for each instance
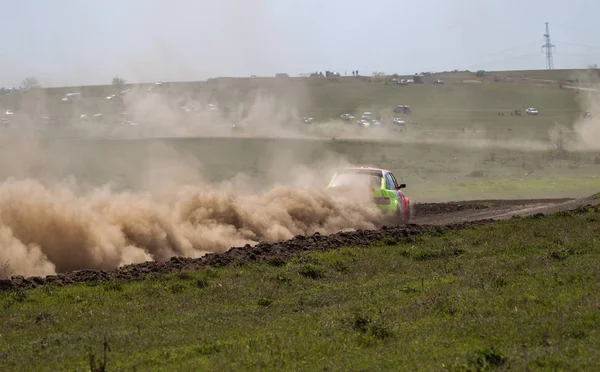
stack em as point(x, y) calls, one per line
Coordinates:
point(357, 180)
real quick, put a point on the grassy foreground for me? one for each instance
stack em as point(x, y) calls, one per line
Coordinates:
point(521, 294)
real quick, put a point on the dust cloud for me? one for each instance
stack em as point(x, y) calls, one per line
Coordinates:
point(586, 136)
point(52, 221)
point(50, 225)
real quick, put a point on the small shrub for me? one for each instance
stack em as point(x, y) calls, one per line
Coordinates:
point(177, 288)
point(113, 286)
point(408, 290)
point(380, 332)
point(438, 230)
point(208, 349)
point(276, 261)
point(281, 278)
point(19, 296)
point(340, 266)
point(389, 241)
point(559, 254)
point(411, 239)
point(184, 275)
point(101, 367)
point(312, 272)
point(238, 263)
point(488, 358)
point(445, 305)
point(202, 283)
point(265, 302)
point(498, 281)
point(42, 317)
point(579, 334)
point(427, 255)
point(360, 323)
point(374, 330)
point(458, 251)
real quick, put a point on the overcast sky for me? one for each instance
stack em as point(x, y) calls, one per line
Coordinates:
point(81, 42)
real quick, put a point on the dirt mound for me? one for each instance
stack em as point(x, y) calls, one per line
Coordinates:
point(281, 251)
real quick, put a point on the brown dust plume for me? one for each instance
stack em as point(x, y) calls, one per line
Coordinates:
point(48, 229)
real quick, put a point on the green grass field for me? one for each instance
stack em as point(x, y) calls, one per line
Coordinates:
point(433, 172)
point(518, 295)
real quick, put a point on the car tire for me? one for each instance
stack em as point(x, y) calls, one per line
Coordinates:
point(403, 219)
point(409, 212)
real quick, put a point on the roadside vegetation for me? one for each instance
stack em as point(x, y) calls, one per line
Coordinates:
point(520, 294)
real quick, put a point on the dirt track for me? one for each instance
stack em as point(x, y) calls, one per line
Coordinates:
point(429, 217)
point(473, 210)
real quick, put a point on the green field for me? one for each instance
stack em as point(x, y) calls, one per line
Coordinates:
point(518, 295)
point(433, 172)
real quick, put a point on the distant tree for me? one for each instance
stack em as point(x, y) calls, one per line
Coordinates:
point(378, 73)
point(118, 82)
point(30, 83)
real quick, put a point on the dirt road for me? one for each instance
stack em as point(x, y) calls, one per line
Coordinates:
point(467, 211)
point(428, 217)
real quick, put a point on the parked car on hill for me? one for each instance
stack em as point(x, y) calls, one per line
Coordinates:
point(364, 123)
point(71, 97)
point(367, 115)
point(403, 109)
point(399, 121)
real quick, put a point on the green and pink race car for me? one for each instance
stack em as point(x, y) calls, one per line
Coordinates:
point(385, 190)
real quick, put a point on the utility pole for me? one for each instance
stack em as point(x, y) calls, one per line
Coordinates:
point(549, 49)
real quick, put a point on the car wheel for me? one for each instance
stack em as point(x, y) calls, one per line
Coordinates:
point(404, 219)
point(409, 212)
point(399, 218)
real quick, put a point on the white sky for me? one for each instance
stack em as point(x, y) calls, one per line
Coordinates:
point(81, 42)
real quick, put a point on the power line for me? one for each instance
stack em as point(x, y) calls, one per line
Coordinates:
point(487, 64)
point(579, 54)
point(578, 45)
point(571, 27)
point(460, 61)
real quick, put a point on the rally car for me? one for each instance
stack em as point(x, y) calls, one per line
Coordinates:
point(380, 183)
